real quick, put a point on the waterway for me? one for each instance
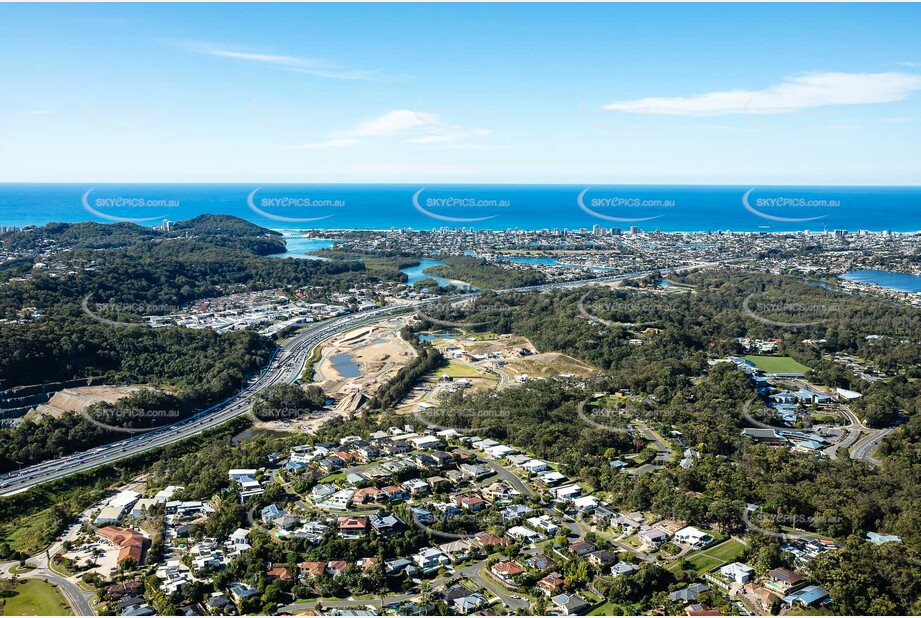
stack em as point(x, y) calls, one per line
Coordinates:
point(894, 281)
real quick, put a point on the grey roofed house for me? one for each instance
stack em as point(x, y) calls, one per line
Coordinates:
point(140, 610)
point(271, 512)
point(286, 521)
point(469, 603)
point(689, 594)
point(602, 557)
point(354, 478)
point(385, 523)
point(623, 568)
point(129, 601)
point(218, 601)
point(398, 565)
point(569, 604)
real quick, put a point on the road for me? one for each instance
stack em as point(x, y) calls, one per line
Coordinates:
point(864, 447)
point(76, 597)
point(663, 451)
point(285, 366)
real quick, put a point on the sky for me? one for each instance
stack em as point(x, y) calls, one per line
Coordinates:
point(817, 94)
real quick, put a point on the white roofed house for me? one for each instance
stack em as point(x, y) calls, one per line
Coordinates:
point(566, 492)
point(525, 535)
point(543, 524)
point(535, 465)
point(499, 451)
point(586, 504)
point(737, 572)
point(551, 477)
point(427, 442)
point(693, 537)
point(431, 559)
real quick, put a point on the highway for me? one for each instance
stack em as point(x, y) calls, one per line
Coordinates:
point(285, 365)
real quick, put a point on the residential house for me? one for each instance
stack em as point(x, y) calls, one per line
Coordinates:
point(581, 548)
point(689, 594)
point(569, 605)
point(386, 523)
point(508, 571)
point(783, 580)
point(737, 572)
point(459, 550)
point(525, 535)
point(488, 539)
point(351, 527)
point(431, 559)
point(810, 596)
point(312, 569)
point(335, 568)
point(602, 558)
point(543, 524)
point(693, 537)
point(652, 538)
point(472, 503)
point(551, 584)
point(623, 568)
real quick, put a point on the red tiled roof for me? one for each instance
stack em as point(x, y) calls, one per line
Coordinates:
point(507, 569)
point(130, 542)
point(313, 568)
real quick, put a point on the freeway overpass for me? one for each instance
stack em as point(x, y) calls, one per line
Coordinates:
point(285, 366)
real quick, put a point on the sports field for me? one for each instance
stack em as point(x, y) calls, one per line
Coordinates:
point(777, 364)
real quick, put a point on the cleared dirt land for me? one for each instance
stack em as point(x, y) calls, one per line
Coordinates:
point(351, 368)
point(80, 398)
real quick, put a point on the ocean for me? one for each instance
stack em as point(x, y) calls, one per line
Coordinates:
point(666, 208)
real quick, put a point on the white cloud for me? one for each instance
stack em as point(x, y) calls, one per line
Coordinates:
point(311, 66)
point(329, 143)
point(392, 123)
point(798, 93)
point(421, 128)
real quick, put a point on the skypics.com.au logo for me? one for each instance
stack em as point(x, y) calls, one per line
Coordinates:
point(273, 207)
point(110, 308)
point(779, 207)
point(459, 419)
point(134, 419)
point(787, 314)
point(438, 207)
point(451, 309)
point(756, 519)
point(113, 208)
point(590, 310)
point(615, 206)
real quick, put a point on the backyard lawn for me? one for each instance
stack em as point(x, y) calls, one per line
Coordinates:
point(713, 557)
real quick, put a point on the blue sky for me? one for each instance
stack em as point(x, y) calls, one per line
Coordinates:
point(659, 93)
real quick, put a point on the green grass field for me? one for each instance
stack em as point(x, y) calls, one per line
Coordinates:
point(777, 364)
point(35, 598)
point(713, 557)
point(608, 609)
point(457, 370)
point(728, 551)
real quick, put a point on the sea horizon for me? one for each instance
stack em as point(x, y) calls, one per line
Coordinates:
point(677, 208)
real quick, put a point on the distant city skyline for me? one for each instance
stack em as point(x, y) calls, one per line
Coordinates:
point(623, 94)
